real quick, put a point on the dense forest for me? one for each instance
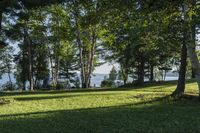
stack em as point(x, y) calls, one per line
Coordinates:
point(50, 39)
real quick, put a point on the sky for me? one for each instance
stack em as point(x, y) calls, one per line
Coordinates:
point(105, 69)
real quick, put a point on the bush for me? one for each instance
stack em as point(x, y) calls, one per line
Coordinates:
point(54, 87)
point(60, 86)
point(51, 87)
point(107, 83)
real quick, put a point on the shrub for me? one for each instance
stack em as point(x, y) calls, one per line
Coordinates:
point(60, 86)
point(106, 83)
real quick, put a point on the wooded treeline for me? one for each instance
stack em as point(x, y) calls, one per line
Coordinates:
point(57, 38)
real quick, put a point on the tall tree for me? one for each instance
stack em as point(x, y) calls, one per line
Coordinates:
point(7, 63)
point(87, 26)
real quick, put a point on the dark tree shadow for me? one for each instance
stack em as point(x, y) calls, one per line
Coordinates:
point(161, 114)
point(121, 119)
point(169, 99)
point(4, 101)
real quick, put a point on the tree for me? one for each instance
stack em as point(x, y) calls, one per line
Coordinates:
point(113, 74)
point(135, 36)
point(86, 23)
point(182, 74)
point(6, 59)
point(188, 13)
point(21, 72)
point(14, 4)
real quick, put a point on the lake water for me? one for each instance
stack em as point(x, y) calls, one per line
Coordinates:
point(95, 80)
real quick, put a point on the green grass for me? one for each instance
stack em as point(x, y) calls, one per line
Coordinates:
point(146, 109)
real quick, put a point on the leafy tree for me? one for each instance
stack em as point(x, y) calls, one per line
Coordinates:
point(86, 21)
point(6, 60)
point(113, 74)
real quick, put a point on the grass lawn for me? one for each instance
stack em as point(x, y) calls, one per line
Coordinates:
point(146, 109)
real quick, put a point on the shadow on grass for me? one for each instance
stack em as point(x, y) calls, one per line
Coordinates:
point(31, 98)
point(169, 99)
point(4, 101)
point(156, 117)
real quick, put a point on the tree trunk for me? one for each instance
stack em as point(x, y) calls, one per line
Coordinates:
point(182, 73)
point(57, 66)
point(124, 74)
point(24, 86)
point(29, 46)
point(141, 72)
point(91, 56)
point(165, 75)
point(81, 62)
point(1, 14)
point(9, 76)
point(36, 83)
point(10, 80)
point(195, 62)
point(23, 65)
point(51, 66)
point(8, 70)
point(80, 46)
point(193, 74)
point(86, 56)
point(30, 71)
point(191, 48)
point(194, 39)
point(151, 73)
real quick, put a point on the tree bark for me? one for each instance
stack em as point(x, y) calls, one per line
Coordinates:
point(10, 80)
point(91, 56)
point(57, 66)
point(51, 66)
point(141, 72)
point(193, 74)
point(191, 47)
point(9, 75)
point(30, 69)
point(81, 61)
point(24, 86)
point(86, 55)
point(182, 73)
point(79, 43)
point(23, 65)
point(80, 47)
point(124, 72)
point(195, 62)
point(151, 73)
point(1, 14)
point(194, 40)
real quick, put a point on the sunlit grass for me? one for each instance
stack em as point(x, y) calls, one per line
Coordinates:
point(138, 109)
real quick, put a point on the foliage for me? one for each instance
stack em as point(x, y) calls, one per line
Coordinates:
point(8, 87)
point(60, 86)
point(113, 74)
point(59, 38)
point(6, 60)
point(107, 83)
